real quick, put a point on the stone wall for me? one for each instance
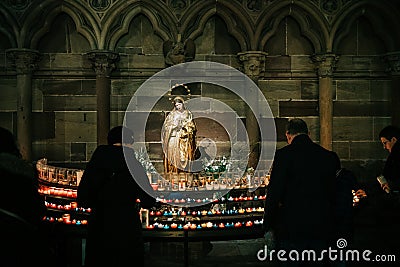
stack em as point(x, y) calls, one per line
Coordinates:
point(64, 105)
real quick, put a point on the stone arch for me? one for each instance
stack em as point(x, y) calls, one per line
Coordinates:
point(9, 27)
point(163, 23)
point(312, 23)
point(288, 40)
point(85, 22)
point(63, 37)
point(369, 10)
point(236, 23)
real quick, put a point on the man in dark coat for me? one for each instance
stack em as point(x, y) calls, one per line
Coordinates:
point(107, 186)
point(389, 137)
point(389, 201)
point(300, 199)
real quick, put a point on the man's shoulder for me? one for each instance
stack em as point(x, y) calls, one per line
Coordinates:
point(101, 148)
point(283, 150)
point(307, 148)
point(396, 149)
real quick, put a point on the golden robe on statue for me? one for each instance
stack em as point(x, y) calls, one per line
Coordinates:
point(178, 138)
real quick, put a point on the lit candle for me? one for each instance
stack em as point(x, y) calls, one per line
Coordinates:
point(238, 224)
point(66, 217)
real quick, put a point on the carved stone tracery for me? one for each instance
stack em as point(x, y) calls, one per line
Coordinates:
point(179, 4)
point(19, 5)
point(100, 5)
point(330, 6)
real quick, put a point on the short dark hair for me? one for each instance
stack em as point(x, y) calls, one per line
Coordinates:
point(389, 132)
point(120, 134)
point(296, 126)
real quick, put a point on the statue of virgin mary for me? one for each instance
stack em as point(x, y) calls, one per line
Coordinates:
point(178, 138)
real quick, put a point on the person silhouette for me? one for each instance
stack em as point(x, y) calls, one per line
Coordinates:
point(22, 208)
point(107, 186)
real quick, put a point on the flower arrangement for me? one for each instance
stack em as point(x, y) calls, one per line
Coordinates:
point(216, 165)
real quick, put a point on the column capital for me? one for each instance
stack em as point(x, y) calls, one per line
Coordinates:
point(325, 63)
point(24, 60)
point(103, 61)
point(393, 60)
point(253, 63)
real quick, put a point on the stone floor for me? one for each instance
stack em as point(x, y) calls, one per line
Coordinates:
point(223, 253)
point(243, 253)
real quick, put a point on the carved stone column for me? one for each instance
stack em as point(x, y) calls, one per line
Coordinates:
point(325, 65)
point(253, 65)
point(25, 62)
point(393, 60)
point(103, 63)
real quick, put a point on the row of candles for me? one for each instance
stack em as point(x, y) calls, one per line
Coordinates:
point(66, 219)
point(215, 181)
point(205, 225)
point(207, 200)
point(192, 226)
point(58, 175)
point(73, 206)
point(199, 213)
point(55, 191)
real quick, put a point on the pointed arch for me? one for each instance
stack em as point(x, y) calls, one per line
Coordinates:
point(312, 23)
point(84, 21)
point(228, 11)
point(198, 14)
point(163, 23)
point(9, 26)
point(370, 10)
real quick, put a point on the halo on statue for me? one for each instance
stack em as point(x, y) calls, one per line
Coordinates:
point(171, 97)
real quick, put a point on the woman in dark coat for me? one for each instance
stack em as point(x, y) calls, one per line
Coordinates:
point(107, 186)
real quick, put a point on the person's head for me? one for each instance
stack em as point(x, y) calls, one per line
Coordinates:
point(295, 127)
point(179, 103)
point(8, 143)
point(389, 136)
point(120, 135)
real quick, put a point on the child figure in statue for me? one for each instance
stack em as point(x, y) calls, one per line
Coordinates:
point(178, 138)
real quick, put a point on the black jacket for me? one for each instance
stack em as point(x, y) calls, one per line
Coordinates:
point(301, 193)
point(391, 171)
point(19, 189)
point(114, 227)
point(21, 211)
